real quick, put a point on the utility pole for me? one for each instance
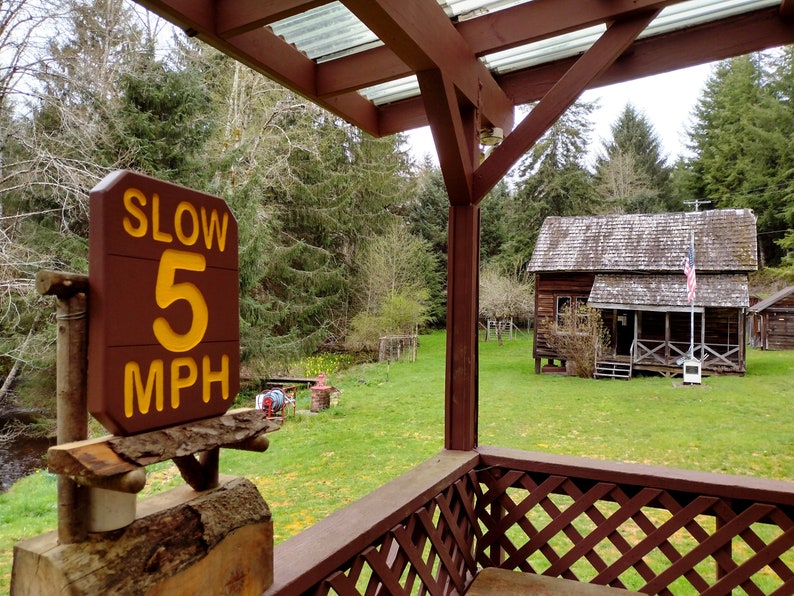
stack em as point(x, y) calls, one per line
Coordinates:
point(697, 203)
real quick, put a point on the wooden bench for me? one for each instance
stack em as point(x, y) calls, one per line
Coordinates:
point(504, 582)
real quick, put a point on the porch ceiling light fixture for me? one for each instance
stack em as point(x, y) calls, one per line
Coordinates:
point(491, 136)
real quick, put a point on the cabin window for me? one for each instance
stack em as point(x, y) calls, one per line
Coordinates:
point(563, 304)
point(580, 302)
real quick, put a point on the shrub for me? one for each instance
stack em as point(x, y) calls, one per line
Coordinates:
point(577, 336)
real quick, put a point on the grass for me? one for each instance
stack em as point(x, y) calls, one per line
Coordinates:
point(390, 417)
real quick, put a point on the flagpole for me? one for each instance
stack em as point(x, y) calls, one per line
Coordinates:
point(692, 304)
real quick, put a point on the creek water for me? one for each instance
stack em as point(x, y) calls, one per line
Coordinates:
point(19, 458)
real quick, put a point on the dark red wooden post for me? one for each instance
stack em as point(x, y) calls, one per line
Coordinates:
point(462, 316)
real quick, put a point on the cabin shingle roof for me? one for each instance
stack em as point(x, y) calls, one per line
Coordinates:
point(725, 241)
point(669, 291)
point(772, 300)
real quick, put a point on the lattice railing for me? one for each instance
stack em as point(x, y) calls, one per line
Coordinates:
point(429, 553)
point(722, 357)
point(652, 530)
point(681, 533)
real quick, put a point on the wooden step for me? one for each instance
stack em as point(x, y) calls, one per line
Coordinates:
point(612, 370)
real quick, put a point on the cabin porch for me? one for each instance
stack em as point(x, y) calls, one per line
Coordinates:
point(659, 340)
point(648, 529)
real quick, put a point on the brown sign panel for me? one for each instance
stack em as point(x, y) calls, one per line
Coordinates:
point(164, 346)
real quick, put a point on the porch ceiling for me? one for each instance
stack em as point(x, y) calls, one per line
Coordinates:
point(389, 65)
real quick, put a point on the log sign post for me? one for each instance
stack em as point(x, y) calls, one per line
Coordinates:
point(163, 325)
point(163, 368)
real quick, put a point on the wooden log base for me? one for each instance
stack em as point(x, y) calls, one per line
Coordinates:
point(493, 581)
point(110, 456)
point(182, 543)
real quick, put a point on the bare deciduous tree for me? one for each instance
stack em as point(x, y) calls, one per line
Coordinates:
point(503, 297)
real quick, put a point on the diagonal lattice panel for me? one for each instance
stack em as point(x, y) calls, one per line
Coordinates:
point(645, 539)
point(430, 552)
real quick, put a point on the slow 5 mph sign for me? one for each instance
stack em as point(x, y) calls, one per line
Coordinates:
point(164, 344)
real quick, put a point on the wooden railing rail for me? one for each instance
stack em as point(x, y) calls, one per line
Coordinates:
point(662, 353)
point(650, 529)
point(415, 528)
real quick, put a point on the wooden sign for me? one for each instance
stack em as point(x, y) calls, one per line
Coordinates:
point(164, 346)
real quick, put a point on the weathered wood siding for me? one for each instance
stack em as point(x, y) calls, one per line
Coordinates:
point(772, 321)
point(779, 330)
point(779, 325)
point(548, 287)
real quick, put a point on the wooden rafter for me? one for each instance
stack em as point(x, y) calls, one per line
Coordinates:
point(234, 17)
point(423, 37)
point(718, 40)
point(457, 138)
point(596, 60)
point(493, 32)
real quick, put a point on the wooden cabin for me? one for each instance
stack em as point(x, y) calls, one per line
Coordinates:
point(772, 321)
point(463, 68)
point(629, 267)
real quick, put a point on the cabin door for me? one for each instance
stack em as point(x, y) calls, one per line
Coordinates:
point(624, 332)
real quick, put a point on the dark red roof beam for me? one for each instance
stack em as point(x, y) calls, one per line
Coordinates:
point(422, 36)
point(565, 91)
point(234, 17)
point(500, 30)
point(734, 36)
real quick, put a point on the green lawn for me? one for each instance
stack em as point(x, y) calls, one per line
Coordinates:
point(390, 417)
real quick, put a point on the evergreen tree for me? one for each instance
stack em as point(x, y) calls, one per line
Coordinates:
point(428, 217)
point(428, 214)
point(553, 180)
point(631, 173)
point(493, 231)
point(781, 138)
point(741, 141)
point(163, 120)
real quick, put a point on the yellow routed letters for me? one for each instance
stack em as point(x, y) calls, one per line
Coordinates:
point(167, 292)
point(134, 385)
point(135, 211)
point(177, 382)
point(186, 208)
point(209, 376)
point(158, 234)
point(213, 226)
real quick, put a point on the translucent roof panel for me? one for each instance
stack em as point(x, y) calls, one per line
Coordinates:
point(332, 31)
point(326, 32)
point(671, 18)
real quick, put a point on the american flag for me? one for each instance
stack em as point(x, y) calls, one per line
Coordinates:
point(689, 271)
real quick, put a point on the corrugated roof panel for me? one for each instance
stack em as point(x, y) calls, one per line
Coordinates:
point(326, 32)
point(332, 31)
point(671, 18)
point(392, 91)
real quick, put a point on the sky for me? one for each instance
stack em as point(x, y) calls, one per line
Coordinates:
point(667, 100)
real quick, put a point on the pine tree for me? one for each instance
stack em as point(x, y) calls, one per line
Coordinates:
point(553, 180)
point(631, 173)
point(741, 141)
